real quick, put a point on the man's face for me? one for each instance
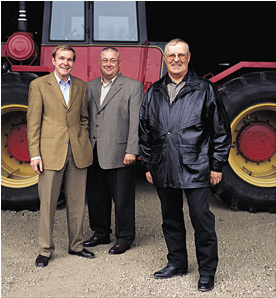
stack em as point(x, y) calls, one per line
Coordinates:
point(109, 64)
point(63, 63)
point(177, 66)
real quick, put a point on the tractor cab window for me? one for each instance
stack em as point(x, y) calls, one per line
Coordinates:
point(67, 21)
point(115, 21)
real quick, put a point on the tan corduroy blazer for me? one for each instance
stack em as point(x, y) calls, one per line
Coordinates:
point(114, 124)
point(51, 125)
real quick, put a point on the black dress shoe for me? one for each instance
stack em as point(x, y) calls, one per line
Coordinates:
point(83, 253)
point(170, 271)
point(206, 283)
point(41, 261)
point(118, 248)
point(94, 241)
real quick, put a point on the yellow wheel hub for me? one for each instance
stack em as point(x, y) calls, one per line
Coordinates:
point(256, 171)
point(15, 171)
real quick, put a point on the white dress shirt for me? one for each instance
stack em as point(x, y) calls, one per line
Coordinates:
point(105, 88)
point(64, 87)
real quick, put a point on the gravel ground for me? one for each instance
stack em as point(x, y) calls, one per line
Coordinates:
point(246, 251)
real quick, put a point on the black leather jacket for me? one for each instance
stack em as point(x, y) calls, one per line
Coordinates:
point(181, 143)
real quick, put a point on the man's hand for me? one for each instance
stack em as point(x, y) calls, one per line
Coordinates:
point(129, 159)
point(149, 177)
point(215, 178)
point(37, 165)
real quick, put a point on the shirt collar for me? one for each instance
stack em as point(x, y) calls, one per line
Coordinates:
point(169, 80)
point(110, 82)
point(59, 80)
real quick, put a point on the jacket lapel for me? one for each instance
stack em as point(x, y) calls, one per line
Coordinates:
point(96, 92)
point(73, 91)
point(55, 89)
point(115, 88)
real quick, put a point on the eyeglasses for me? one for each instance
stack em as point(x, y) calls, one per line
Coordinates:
point(181, 57)
point(111, 61)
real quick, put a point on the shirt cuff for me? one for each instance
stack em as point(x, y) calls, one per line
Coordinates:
point(36, 157)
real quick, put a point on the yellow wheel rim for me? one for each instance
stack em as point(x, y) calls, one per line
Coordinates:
point(262, 174)
point(14, 173)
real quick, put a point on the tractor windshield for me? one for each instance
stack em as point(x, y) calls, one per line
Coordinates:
point(115, 21)
point(111, 21)
point(67, 20)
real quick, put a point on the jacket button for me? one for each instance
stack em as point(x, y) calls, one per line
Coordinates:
point(68, 126)
point(169, 132)
point(94, 138)
point(66, 142)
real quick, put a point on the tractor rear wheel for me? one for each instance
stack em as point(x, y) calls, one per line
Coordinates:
point(249, 179)
point(19, 182)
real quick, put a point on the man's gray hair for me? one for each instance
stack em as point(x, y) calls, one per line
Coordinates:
point(175, 41)
point(111, 49)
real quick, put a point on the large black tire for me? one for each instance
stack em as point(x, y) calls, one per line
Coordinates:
point(19, 198)
point(14, 90)
point(240, 94)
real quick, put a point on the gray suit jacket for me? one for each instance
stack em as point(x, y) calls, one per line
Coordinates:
point(114, 124)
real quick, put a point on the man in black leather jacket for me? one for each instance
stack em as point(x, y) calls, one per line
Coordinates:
point(185, 139)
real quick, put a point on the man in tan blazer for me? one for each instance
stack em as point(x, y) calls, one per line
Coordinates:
point(59, 148)
point(113, 103)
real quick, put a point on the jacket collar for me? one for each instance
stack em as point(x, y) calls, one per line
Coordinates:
point(169, 80)
point(57, 92)
point(193, 80)
point(55, 88)
point(193, 83)
point(115, 87)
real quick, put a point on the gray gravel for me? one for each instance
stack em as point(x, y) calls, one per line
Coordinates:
point(246, 250)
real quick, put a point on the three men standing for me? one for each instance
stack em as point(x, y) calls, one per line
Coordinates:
point(184, 139)
point(59, 149)
point(113, 102)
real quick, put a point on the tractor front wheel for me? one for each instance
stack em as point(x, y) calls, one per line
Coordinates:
point(249, 179)
point(18, 180)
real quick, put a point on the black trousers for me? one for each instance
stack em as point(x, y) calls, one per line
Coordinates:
point(203, 222)
point(102, 187)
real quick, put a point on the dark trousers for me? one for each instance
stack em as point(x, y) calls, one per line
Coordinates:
point(102, 187)
point(203, 222)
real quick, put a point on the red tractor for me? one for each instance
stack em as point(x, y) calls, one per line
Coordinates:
point(249, 179)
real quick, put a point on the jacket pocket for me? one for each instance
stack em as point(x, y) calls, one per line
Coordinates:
point(193, 155)
point(194, 158)
point(195, 164)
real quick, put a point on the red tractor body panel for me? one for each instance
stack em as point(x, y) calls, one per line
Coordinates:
point(240, 65)
point(143, 63)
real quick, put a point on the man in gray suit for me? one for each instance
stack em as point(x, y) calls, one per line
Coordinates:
point(113, 102)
